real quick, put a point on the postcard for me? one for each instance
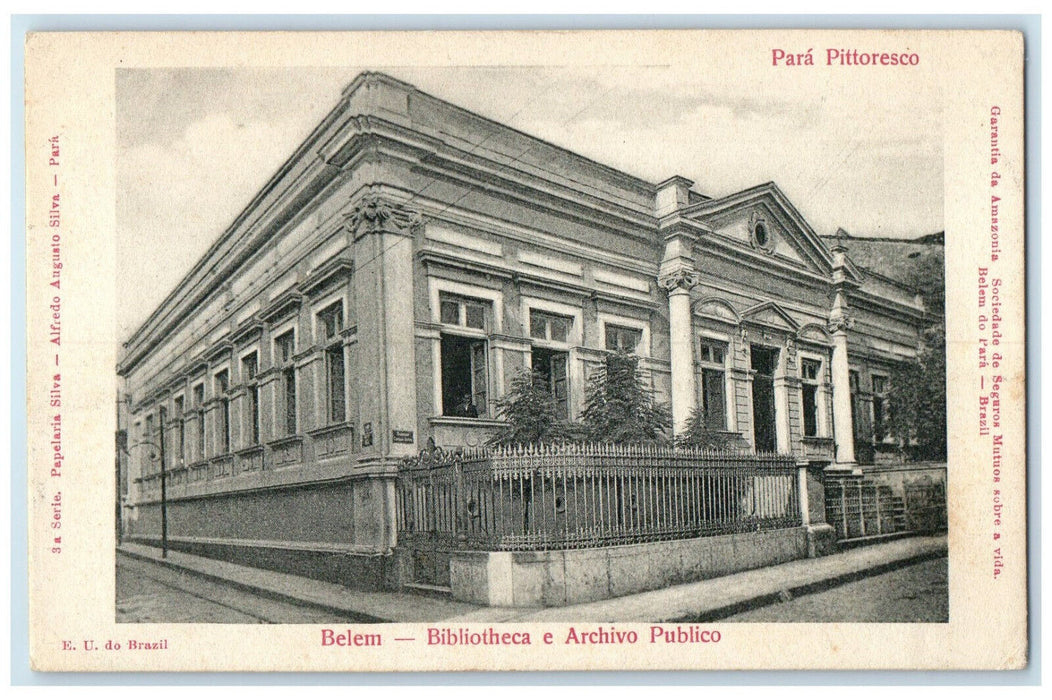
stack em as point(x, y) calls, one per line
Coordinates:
point(597, 350)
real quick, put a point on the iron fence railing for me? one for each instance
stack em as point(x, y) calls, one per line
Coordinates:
point(860, 507)
point(574, 496)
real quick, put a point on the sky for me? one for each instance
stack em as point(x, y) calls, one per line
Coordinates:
point(195, 145)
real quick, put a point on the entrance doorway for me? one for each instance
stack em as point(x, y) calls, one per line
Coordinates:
point(764, 362)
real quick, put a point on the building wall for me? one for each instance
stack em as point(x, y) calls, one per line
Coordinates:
point(359, 218)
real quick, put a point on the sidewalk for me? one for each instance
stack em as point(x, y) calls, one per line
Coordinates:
point(694, 602)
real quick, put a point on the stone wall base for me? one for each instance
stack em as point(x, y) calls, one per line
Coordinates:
point(359, 571)
point(565, 577)
point(821, 540)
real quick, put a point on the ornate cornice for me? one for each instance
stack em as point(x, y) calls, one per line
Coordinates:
point(377, 214)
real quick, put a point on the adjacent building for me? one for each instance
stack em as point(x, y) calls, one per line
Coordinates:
point(382, 290)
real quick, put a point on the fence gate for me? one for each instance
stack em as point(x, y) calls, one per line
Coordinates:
point(427, 514)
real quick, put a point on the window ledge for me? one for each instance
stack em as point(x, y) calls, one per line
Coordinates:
point(465, 422)
point(287, 440)
point(326, 429)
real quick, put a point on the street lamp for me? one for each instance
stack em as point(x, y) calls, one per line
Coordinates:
point(162, 417)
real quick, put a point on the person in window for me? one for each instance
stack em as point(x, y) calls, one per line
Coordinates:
point(466, 408)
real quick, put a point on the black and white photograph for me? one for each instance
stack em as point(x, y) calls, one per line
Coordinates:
point(697, 350)
point(505, 344)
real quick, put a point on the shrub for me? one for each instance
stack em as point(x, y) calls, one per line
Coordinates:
point(529, 413)
point(619, 405)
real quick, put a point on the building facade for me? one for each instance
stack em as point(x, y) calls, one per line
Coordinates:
point(408, 260)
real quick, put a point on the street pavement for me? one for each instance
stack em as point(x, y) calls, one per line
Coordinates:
point(917, 593)
point(712, 599)
point(151, 592)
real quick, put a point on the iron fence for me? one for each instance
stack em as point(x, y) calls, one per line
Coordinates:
point(575, 496)
point(861, 507)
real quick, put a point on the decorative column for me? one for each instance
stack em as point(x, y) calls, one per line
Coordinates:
point(839, 322)
point(677, 275)
point(678, 283)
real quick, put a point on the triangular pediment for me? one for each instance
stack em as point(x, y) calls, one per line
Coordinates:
point(763, 220)
point(772, 315)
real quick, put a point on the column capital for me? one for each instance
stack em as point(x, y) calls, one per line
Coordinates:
point(839, 318)
point(680, 279)
point(375, 213)
point(840, 324)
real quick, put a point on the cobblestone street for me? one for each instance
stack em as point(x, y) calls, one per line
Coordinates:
point(917, 593)
point(148, 592)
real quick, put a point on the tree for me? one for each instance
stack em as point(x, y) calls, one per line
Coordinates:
point(619, 406)
point(917, 395)
point(696, 433)
point(529, 413)
point(917, 400)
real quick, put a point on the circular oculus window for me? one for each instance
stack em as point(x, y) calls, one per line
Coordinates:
point(762, 237)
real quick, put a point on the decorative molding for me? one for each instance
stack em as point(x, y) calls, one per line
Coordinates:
point(768, 314)
point(679, 279)
point(761, 236)
point(331, 272)
point(283, 306)
point(840, 324)
point(251, 329)
point(718, 309)
point(377, 214)
point(814, 333)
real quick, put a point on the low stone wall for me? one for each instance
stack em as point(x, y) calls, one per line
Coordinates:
point(564, 577)
point(364, 572)
point(332, 532)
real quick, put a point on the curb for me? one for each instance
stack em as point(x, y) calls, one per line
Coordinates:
point(357, 616)
point(787, 594)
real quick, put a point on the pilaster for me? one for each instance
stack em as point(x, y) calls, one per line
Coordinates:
point(382, 230)
point(839, 322)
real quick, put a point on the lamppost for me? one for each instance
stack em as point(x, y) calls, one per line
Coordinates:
point(162, 417)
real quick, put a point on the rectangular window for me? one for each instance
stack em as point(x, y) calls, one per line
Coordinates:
point(149, 440)
point(222, 385)
point(335, 369)
point(880, 390)
point(249, 369)
point(464, 361)
point(199, 408)
point(622, 339)
point(552, 366)
point(289, 384)
point(713, 353)
point(450, 312)
point(331, 323)
point(457, 311)
point(163, 459)
point(284, 350)
point(545, 326)
point(810, 371)
point(180, 430)
point(464, 376)
point(714, 384)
